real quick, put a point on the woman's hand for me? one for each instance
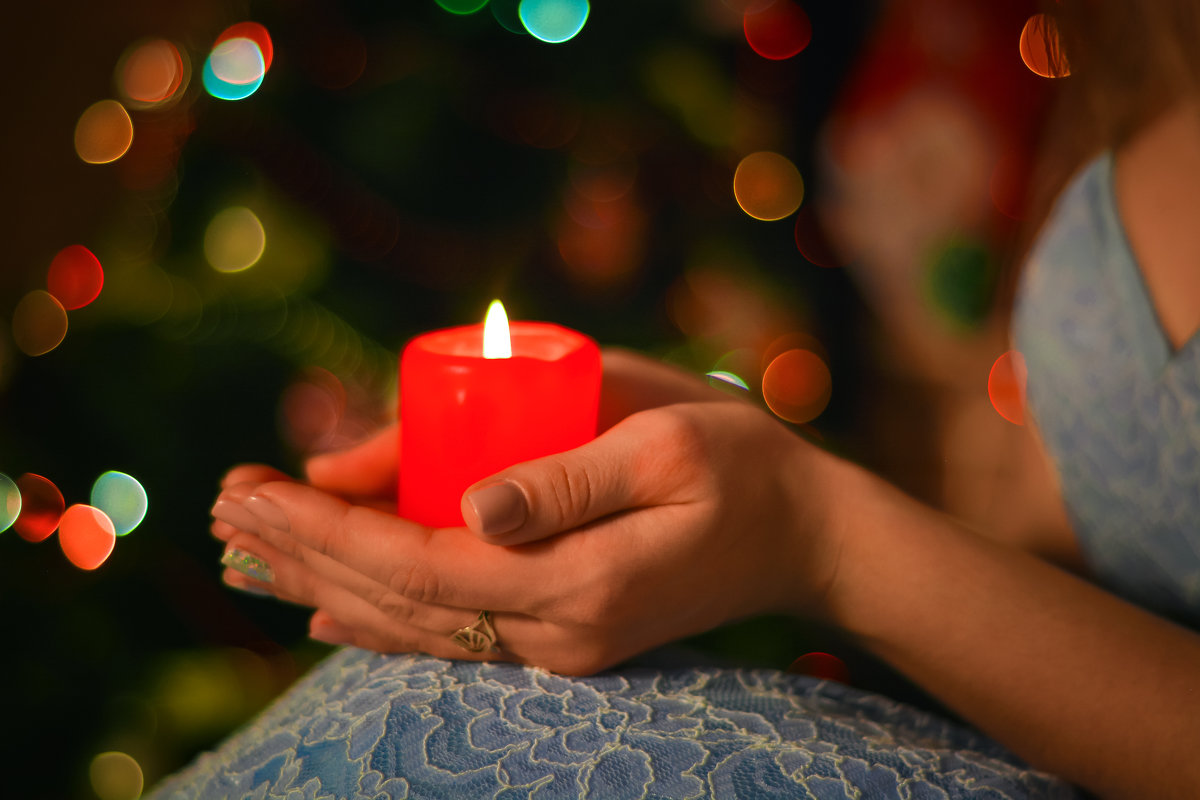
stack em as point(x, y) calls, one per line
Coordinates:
point(681, 517)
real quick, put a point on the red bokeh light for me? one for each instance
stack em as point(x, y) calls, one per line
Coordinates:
point(42, 507)
point(821, 665)
point(1006, 387)
point(75, 277)
point(255, 33)
point(779, 31)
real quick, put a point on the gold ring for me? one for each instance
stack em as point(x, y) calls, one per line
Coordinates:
point(478, 636)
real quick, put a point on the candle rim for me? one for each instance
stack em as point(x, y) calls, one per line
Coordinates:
point(466, 341)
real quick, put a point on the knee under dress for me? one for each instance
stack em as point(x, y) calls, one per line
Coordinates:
point(1119, 414)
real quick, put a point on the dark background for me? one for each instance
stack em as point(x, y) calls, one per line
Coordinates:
point(409, 165)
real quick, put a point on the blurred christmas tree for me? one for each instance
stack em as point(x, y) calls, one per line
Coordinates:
point(295, 199)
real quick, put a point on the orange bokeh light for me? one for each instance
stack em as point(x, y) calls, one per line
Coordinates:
point(42, 507)
point(768, 186)
point(104, 132)
point(75, 277)
point(1006, 387)
point(87, 536)
point(39, 323)
point(150, 72)
point(797, 385)
point(1041, 48)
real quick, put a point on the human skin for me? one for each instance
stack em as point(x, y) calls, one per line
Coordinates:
point(693, 509)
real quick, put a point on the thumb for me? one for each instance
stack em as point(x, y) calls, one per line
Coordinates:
point(539, 498)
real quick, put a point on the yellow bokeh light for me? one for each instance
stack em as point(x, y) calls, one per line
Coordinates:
point(39, 323)
point(104, 132)
point(116, 776)
point(768, 186)
point(234, 240)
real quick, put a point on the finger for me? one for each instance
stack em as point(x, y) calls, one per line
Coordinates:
point(385, 623)
point(540, 498)
point(326, 627)
point(633, 382)
point(366, 469)
point(253, 563)
point(252, 473)
point(450, 566)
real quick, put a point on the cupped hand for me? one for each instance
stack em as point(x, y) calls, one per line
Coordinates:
point(677, 518)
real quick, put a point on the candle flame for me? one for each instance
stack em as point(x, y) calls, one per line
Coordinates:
point(496, 341)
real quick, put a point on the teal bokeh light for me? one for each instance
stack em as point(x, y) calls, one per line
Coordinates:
point(254, 73)
point(554, 21)
point(10, 502)
point(122, 498)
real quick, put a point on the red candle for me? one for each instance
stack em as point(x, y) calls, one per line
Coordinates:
point(465, 416)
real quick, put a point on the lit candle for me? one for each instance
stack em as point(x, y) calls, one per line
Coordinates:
point(479, 398)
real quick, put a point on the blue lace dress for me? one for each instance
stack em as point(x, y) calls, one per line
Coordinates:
point(1119, 414)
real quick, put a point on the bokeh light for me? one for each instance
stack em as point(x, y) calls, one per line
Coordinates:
point(238, 61)
point(778, 31)
point(151, 72)
point(812, 240)
point(123, 498)
point(554, 21)
point(312, 409)
point(1041, 48)
point(726, 377)
point(256, 33)
point(10, 502)
point(768, 186)
point(1006, 386)
point(41, 507)
point(104, 132)
point(824, 666)
point(960, 282)
point(87, 536)
point(234, 240)
point(797, 385)
point(39, 323)
point(462, 7)
point(507, 14)
point(234, 69)
point(75, 276)
point(116, 776)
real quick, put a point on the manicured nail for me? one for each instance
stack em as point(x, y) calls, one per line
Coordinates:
point(237, 516)
point(268, 513)
point(248, 564)
point(325, 629)
point(499, 508)
point(249, 589)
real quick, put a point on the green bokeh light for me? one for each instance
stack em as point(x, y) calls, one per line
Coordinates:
point(10, 502)
point(122, 498)
point(554, 21)
point(462, 7)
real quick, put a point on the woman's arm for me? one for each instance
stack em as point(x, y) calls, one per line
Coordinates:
point(1066, 675)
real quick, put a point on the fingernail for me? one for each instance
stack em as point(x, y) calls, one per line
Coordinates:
point(250, 589)
point(268, 513)
point(499, 508)
point(235, 515)
point(325, 629)
point(248, 564)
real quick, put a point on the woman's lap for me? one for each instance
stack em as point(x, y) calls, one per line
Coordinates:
point(367, 725)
